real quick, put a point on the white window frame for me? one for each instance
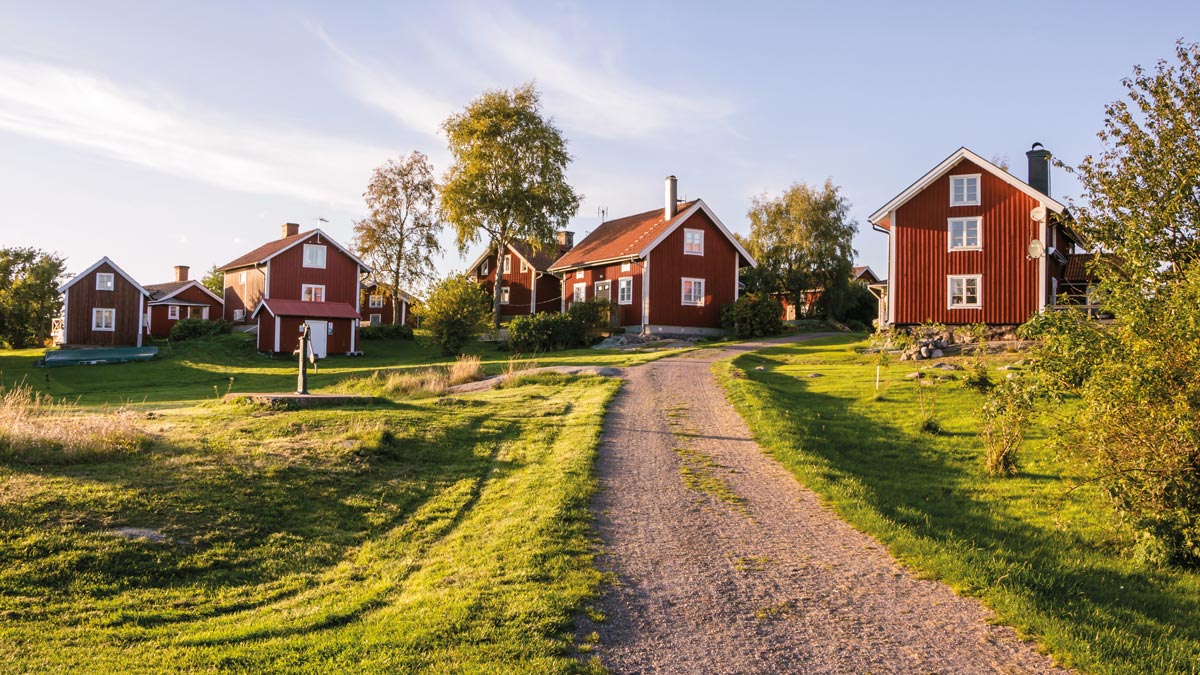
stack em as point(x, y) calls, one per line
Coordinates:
point(375, 319)
point(313, 248)
point(965, 180)
point(950, 281)
point(483, 268)
point(579, 293)
point(106, 281)
point(504, 295)
point(624, 284)
point(578, 274)
point(172, 312)
point(507, 263)
point(242, 278)
point(204, 313)
point(625, 266)
point(98, 322)
point(524, 265)
point(305, 288)
point(239, 315)
point(977, 246)
point(692, 237)
point(697, 299)
point(375, 301)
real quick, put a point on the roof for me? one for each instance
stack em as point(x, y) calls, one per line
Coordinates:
point(271, 249)
point(314, 310)
point(634, 236)
point(540, 260)
point(1076, 268)
point(881, 217)
point(110, 263)
point(160, 293)
point(369, 285)
point(858, 272)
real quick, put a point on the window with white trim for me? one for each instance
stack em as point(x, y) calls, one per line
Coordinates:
point(504, 295)
point(692, 292)
point(242, 278)
point(376, 319)
point(507, 263)
point(239, 314)
point(104, 281)
point(693, 242)
point(580, 294)
point(625, 291)
point(375, 301)
point(578, 274)
point(314, 256)
point(104, 319)
point(964, 190)
point(204, 313)
point(965, 291)
point(524, 265)
point(625, 266)
point(173, 312)
point(966, 234)
point(312, 293)
point(483, 268)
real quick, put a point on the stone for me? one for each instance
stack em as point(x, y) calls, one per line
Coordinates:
point(936, 354)
point(914, 375)
point(924, 351)
point(947, 366)
point(812, 375)
point(153, 536)
point(759, 368)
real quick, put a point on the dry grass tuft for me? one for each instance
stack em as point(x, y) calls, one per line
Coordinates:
point(465, 369)
point(429, 381)
point(36, 428)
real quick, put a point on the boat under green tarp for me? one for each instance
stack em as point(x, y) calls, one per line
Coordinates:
point(92, 357)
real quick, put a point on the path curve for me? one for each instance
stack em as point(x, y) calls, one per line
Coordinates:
point(744, 571)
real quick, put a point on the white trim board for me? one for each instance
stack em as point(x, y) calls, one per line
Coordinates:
point(189, 284)
point(79, 277)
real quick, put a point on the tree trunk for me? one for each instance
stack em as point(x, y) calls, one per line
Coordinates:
point(396, 295)
point(500, 246)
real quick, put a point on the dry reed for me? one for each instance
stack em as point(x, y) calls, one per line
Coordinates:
point(35, 427)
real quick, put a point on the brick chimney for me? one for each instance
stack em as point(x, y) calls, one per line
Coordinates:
point(566, 239)
point(1039, 168)
point(290, 230)
point(181, 272)
point(671, 197)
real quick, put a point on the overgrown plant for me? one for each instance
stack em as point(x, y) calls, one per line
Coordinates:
point(36, 428)
point(455, 312)
point(753, 315)
point(977, 376)
point(1003, 420)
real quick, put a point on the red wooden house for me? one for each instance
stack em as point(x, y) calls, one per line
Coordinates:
point(969, 242)
point(180, 299)
point(376, 306)
point(527, 285)
point(300, 278)
point(103, 306)
point(670, 270)
point(862, 274)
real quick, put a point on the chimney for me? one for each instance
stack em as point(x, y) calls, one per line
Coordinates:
point(671, 198)
point(1039, 168)
point(290, 230)
point(181, 272)
point(566, 239)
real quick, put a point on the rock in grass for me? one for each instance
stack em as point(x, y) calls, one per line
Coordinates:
point(914, 376)
point(812, 375)
point(151, 535)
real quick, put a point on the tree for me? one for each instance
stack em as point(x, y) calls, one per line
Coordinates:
point(29, 298)
point(456, 309)
point(400, 236)
point(802, 241)
point(508, 180)
point(214, 280)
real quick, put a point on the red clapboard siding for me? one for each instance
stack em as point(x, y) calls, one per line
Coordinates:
point(631, 314)
point(339, 277)
point(923, 262)
point(668, 266)
point(520, 285)
point(243, 296)
point(160, 324)
point(289, 334)
point(82, 297)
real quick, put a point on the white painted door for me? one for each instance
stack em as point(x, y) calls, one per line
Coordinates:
point(318, 334)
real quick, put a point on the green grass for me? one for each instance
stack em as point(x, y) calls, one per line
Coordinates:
point(1047, 559)
point(438, 535)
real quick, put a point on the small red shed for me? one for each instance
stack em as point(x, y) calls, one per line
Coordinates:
point(103, 306)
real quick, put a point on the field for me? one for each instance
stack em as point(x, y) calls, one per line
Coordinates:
point(1042, 549)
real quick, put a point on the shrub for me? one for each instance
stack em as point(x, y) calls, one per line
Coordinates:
point(387, 331)
point(753, 315)
point(457, 309)
point(861, 305)
point(190, 329)
point(544, 332)
point(857, 326)
point(1002, 426)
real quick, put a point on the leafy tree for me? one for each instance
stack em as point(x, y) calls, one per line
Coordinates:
point(455, 311)
point(508, 180)
point(29, 298)
point(214, 280)
point(399, 237)
point(753, 315)
point(802, 241)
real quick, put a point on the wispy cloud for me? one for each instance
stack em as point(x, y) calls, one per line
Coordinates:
point(155, 130)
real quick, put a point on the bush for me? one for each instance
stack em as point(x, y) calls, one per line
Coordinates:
point(753, 315)
point(457, 309)
point(190, 329)
point(544, 332)
point(1002, 426)
point(387, 331)
point(861, 305)
point(857, 326)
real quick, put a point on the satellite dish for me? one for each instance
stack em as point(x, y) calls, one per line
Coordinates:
point(1035, 249)
point(1038, 213)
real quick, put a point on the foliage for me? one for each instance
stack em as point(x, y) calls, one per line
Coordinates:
point(1003, 420)
point(190, 329)
point(214, 280)
point(29, 298)
point(802, 241)
point(391, 331)
point(508, 180)
point(455, 312)
point(546, 332)
point(400, 235)
point(977, 375)
point(753, 315)
point(860, 305)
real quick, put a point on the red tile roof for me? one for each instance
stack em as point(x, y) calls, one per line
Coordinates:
point(619, 238)
point(265, 251)
point(1076, 267)
point(314, 310)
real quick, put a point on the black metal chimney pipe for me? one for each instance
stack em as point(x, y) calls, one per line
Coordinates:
point(1039, 168)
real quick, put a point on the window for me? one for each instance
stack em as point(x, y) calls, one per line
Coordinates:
point(693, 292)
point(242, 278)
point(173, 312)
point(314, 256)
point(580, 293)
point(965, 291)
point(578, 274)
point(504, 295)
point(239, 314)
point(625, 291)
point(483, 269)
point(524, 265)
point(964, 190)
point(376, 319)
point(376, 301)
point(104, 319)
point(965, 234)
point(204, 313)
point(312, 293)
point(507, 263)
point(104, 281)
point(693, 242)
point(624, 267)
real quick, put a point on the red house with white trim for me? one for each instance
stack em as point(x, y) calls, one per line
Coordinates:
point(300, 278)
point(527, 284)
point(376, 306)
point(103, 306)
point(180, 299)
point(670, 271)
point(968, 242)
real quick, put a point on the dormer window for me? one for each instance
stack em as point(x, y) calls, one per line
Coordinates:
point(965, 234)
point(964, 190)
point(314, 256)
point(693, 242)
point(104, 281)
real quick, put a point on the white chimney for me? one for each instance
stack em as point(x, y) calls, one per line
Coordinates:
point(672, 197)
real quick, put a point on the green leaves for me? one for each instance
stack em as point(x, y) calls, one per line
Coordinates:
point(29, 297)
point(457, 309)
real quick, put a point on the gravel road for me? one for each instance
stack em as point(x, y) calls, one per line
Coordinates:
point(725, 564)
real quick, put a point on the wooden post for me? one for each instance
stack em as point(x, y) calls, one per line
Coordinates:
point(302, 377)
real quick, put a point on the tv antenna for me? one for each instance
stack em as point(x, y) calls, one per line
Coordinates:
point(602, 211)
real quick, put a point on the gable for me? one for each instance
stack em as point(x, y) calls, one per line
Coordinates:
point(273, 249)
point(108, 264)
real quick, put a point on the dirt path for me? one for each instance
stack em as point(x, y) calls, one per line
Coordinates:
point(725, 564)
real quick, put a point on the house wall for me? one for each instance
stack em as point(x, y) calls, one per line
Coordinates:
point(669, 265)
point(1009, 284)
point(385, 312)
point(245, 297)
point(82, 297)
point(340, 275)
point(160, 325)
point(521, 286)
point(631, 314)
point(289, 334)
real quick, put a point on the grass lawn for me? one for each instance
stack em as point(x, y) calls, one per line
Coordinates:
point(1045, 558)
point(435, 535)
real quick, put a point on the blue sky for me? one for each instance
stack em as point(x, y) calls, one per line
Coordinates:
point(185, 133)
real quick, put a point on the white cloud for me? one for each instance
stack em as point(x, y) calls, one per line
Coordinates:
point(156, 131)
